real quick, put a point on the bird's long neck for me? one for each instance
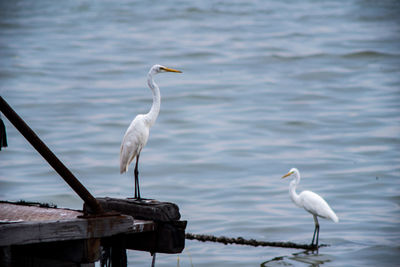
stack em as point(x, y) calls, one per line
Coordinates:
point(152, 115)
point(292, 190)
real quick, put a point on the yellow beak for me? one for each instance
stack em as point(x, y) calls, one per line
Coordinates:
point(287, 174)
point(171, 70)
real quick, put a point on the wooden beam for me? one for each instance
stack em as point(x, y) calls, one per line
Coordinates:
point(71, 229)
point(146, 209)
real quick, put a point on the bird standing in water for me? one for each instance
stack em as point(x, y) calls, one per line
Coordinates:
point(311, 202)
point(136, 135)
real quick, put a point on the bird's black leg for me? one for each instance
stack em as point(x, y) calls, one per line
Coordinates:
point(317, 235)
point(313, 238)
point(137, 191)
point(135, 183)
point(153, 262)
point(316, 231)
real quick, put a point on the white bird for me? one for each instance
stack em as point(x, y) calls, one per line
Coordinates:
point(136, 135)
point(311, 202)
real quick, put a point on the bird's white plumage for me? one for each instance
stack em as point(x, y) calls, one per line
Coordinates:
point(316, 205)
point(134, 140)
point(310, 201)
point(137, 134)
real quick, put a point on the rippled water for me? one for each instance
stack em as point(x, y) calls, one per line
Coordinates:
point(267, 86)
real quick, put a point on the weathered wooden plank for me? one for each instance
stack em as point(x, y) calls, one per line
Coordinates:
point(19, 212)
point(71, 229)
point(146, 209)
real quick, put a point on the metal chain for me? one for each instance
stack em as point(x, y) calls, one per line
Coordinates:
point(249, 242)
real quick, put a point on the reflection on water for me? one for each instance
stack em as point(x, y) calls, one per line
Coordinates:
point(305, 258)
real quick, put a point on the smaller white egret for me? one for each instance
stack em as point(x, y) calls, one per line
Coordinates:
point(311, 202)
point(136, 135)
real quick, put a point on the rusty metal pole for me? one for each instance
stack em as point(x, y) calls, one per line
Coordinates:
point(49, 156)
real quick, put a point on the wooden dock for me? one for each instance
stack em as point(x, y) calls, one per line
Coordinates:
point(31, 235)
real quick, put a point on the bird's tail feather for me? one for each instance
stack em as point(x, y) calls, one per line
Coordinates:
point(123, 168)
point(334, 217)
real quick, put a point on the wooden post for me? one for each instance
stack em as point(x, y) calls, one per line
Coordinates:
point(168, 238)
point(114, 251)
point(169, 235)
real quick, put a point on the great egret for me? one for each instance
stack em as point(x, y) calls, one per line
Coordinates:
point(136, 135)
point(311, 202)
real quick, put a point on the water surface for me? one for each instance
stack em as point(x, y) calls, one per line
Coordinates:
point(266, 86)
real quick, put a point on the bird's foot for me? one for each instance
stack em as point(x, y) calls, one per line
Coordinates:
point(141, 199)
point(136, 198)
point(314, 246)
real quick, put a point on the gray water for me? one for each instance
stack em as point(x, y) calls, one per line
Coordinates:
point(266, 86)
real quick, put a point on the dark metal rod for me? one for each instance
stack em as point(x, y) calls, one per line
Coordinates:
point(49, 156)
